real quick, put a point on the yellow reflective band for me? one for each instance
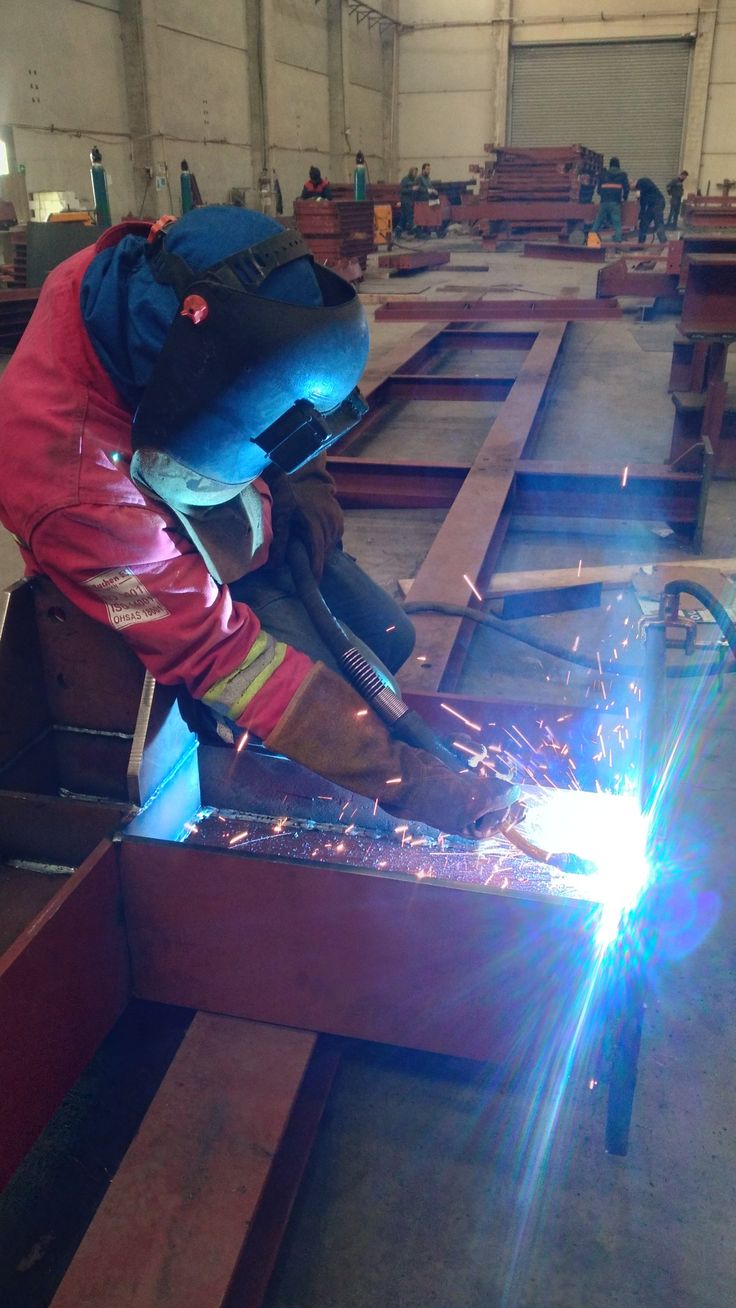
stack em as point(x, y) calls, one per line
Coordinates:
point(232, 694)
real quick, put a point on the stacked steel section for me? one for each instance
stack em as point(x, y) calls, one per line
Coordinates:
point(550, 172)
point(338, 232)
point(533, 189)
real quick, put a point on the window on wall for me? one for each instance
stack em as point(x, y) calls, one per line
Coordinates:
point(4, 166)
point(618, 97)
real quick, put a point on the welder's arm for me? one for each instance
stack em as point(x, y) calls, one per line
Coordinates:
point(305, 505)
point(125, 567)
point(328, 729)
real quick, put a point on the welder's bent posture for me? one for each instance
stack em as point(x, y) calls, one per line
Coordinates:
point(168, 381)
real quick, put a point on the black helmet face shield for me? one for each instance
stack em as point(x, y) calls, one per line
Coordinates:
point(242, 379)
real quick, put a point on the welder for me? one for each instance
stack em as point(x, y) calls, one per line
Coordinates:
point(165, 421)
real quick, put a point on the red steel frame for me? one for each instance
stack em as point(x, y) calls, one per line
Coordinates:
point(502, 479)
point(480, 310)
point(376, 957)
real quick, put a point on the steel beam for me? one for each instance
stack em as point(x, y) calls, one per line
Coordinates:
point(618, 278)
point(173, 1226)
point(371, 955)
point(709, 306)
point(453, 311)
point(565, 253)
point(472, 534)
point(63, 983)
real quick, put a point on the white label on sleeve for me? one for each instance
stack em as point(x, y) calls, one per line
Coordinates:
point(126, 599)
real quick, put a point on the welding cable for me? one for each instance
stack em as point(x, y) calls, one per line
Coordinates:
point(582, 660)
point(709, 602)
point(403, 723)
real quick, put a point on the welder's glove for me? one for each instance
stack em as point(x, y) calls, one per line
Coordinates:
point(305, 505)
point(326, 728)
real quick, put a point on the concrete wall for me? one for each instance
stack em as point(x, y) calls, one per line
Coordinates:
point(454, 64)
point(155, 81)
point(62, 91)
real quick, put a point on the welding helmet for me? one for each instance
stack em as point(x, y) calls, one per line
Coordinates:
point(260, 363)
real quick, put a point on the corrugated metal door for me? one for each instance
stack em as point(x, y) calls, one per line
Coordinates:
point(620, 97)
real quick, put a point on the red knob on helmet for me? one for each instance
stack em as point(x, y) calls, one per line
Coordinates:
point(194, 307)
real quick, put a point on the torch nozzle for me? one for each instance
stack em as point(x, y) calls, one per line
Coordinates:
point(563, 862)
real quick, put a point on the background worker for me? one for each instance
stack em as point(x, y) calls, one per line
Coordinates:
point(675, 189)
point(651, 210)
point(426, 191)
point(613, 189)
point(316, 186)
point(426, 194)
point(408, 191)
point(170, 382)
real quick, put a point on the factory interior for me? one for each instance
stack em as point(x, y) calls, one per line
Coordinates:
point(270, 1039)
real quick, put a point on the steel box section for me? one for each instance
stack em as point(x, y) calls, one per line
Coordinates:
point(461, 971)
point(63, 984)
point(453, 311)
point(709, 305)
point(618, 278)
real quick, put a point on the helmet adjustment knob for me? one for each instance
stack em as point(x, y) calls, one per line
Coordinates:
point(196, 308)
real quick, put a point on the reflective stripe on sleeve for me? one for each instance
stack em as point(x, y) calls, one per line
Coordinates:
point(232, 694)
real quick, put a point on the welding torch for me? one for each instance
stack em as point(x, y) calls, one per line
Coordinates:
point(403, 722)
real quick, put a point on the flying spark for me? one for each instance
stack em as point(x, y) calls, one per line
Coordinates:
point(474, 589)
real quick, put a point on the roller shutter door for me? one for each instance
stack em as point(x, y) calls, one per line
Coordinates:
point(619, 97)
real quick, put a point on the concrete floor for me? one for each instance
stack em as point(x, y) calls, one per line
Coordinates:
point(416, 1194)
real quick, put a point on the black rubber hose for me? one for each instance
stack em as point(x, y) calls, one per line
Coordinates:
point(403, 723)
point(582, 660)
point(711, 603)
point(314, 602)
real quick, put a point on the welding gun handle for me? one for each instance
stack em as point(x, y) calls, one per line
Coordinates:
point(413, 730)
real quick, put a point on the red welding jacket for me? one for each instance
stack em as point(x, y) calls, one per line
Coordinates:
point(67, 496)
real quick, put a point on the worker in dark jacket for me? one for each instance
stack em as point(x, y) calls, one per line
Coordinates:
point(408, 193)
point(165, 418)
point(613, 189)
point(316, 187)
point(675, 189)
point(651, 209)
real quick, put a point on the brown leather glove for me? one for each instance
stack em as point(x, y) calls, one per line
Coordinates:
point(305, 505)
point(322, 730)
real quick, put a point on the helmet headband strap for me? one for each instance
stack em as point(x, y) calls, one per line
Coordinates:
point(245, 270)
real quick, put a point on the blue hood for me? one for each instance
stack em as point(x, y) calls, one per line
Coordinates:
point(127, 313)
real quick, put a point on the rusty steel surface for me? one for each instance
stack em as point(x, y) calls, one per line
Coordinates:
point(24, 892)
point(172, 1226)
point(532, 211)
point(470, 538)
point(566, 253)
point(364, 953)
point(253, 1272)
point(441, 386)
point(540, 488)
point(623, 277)
point(709, 304)
point(479, 496)
point(414, 261)
point(482, 310)
point(650, 494)
point(63, 983)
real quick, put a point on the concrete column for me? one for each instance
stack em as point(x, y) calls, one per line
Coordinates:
point(390, 71)
point(697, 106)
point(501, 56)
point(141, 63)
point(258, 36)
point(338, 73)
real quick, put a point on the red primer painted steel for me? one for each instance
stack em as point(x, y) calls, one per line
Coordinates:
point(371, 956)
point(63, 983)
point(171, 1228)
point(492, 310)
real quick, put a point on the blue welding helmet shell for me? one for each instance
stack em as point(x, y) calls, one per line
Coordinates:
point(243, 380)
